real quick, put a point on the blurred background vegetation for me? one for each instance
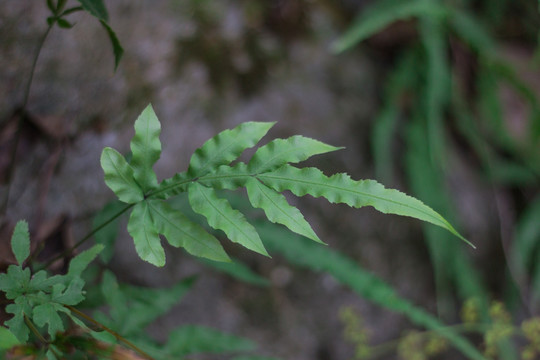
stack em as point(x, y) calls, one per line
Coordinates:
point(437, 98)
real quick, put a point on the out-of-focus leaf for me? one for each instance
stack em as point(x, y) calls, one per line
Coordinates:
point(526, 245)
point(20, 241)
point(192, 339)
point(96, 8)
point(305, 253)
point(237, 270)
point(7, 339)
point(383, 13)
point(108, 234)
point(118, 50)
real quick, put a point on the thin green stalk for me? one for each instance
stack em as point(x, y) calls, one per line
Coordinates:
point(67, 252)
point(110, 331)
point(11, 168)
point(36, 332)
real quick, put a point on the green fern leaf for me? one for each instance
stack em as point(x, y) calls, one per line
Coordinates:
point(180, 231)
point(282, 151)
point(146, 148)
point(340, 188)
point(220, 215)
point(277, 209)
point(226, 147)
point(145, 235)
point(119, 176)
point(20, 241)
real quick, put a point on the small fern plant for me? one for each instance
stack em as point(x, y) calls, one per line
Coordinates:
point(215, 166)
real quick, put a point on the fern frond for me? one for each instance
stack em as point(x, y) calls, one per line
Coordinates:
point(226, 147)
point(340, 188)
point(220, 215)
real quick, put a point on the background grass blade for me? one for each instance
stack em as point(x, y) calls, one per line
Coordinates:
point(382, 14)
point(303, 253)
point(191, 339)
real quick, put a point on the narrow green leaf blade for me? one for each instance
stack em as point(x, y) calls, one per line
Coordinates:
point(238, 270)
point(191, 339)
point(80, 262)
point(118, 50)
point(226, 147)
point(95, 8)
point(524, 250)
point(20, 241)
point(220, 215)
point(340, 188)
point(181, 232)
point(382, 14)
point(278, 210)
point(147, 304)
point(119, 176)
point(282, 151)
point(145, 235)
point(146, 149)
point(7, 339)
point(107, 234)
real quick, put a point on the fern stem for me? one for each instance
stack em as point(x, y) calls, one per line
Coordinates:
point(67, 252)
point(110, 331)
point(22, 112)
